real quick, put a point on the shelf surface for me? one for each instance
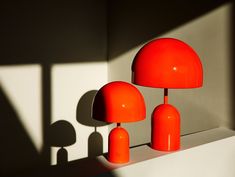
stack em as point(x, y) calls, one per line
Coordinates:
point(209, 153)
point(144, 152)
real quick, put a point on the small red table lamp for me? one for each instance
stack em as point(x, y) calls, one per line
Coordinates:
point(118, 102)
point(166, 63)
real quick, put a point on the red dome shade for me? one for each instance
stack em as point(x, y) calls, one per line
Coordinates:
point(167, 63)
point(119, 102)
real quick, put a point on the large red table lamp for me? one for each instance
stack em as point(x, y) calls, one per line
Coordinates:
point(166, 63)
point(118, 102)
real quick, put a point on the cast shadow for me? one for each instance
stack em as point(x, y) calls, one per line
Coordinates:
point(95, 144)
point(87, 167)
point(84, 117)
point(17, 151)
point(232, 66)
point(62, 134)
point(35, 32)
point(132, 23)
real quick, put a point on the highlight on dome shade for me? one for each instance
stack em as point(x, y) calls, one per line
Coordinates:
point(167, 63)
point(118, 102)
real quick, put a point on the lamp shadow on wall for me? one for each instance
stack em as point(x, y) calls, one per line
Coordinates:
point(84, 117)
point(62, 134)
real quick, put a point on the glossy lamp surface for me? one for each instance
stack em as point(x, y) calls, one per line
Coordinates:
point(118, 102)
point(167, 63)
point(119, 146)
point(165, 128)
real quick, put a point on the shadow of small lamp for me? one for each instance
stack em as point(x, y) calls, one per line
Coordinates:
point(118, 102)
point(83, 114)
point(62, 134)
point(166, 63)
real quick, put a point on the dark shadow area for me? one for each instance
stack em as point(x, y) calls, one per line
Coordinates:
point(88, 167)
point(98, 108)
point(62, 156)
point(62, 134)
point(84, 116)
point(95, 144)
point(232, 66)
point(48, 32)
point(131, 23)
point(46, 112)
point(17, 151)
point(84, 110)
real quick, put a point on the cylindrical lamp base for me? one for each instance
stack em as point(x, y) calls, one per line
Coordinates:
point(118, 151)
point(165, 128)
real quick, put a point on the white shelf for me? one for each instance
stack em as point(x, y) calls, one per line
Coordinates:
point(209, 153)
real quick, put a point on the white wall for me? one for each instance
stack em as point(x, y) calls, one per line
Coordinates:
point(209, 34)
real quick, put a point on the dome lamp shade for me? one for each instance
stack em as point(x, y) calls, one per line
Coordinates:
point(118, 102)
point(166, 63)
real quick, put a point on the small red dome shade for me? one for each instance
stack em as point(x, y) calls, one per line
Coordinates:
point(119, 102)
point(167, 63)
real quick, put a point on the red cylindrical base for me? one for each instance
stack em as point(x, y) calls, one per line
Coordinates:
point(165, 128)
point(118, 151)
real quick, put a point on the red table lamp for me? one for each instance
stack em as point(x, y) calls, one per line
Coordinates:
point(118, 102)
point(166, 63)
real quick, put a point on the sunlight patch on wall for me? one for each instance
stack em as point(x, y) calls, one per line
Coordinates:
point(22, 86)
point(71, 83)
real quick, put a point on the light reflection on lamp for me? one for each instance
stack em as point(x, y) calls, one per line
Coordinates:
point(166, 63)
